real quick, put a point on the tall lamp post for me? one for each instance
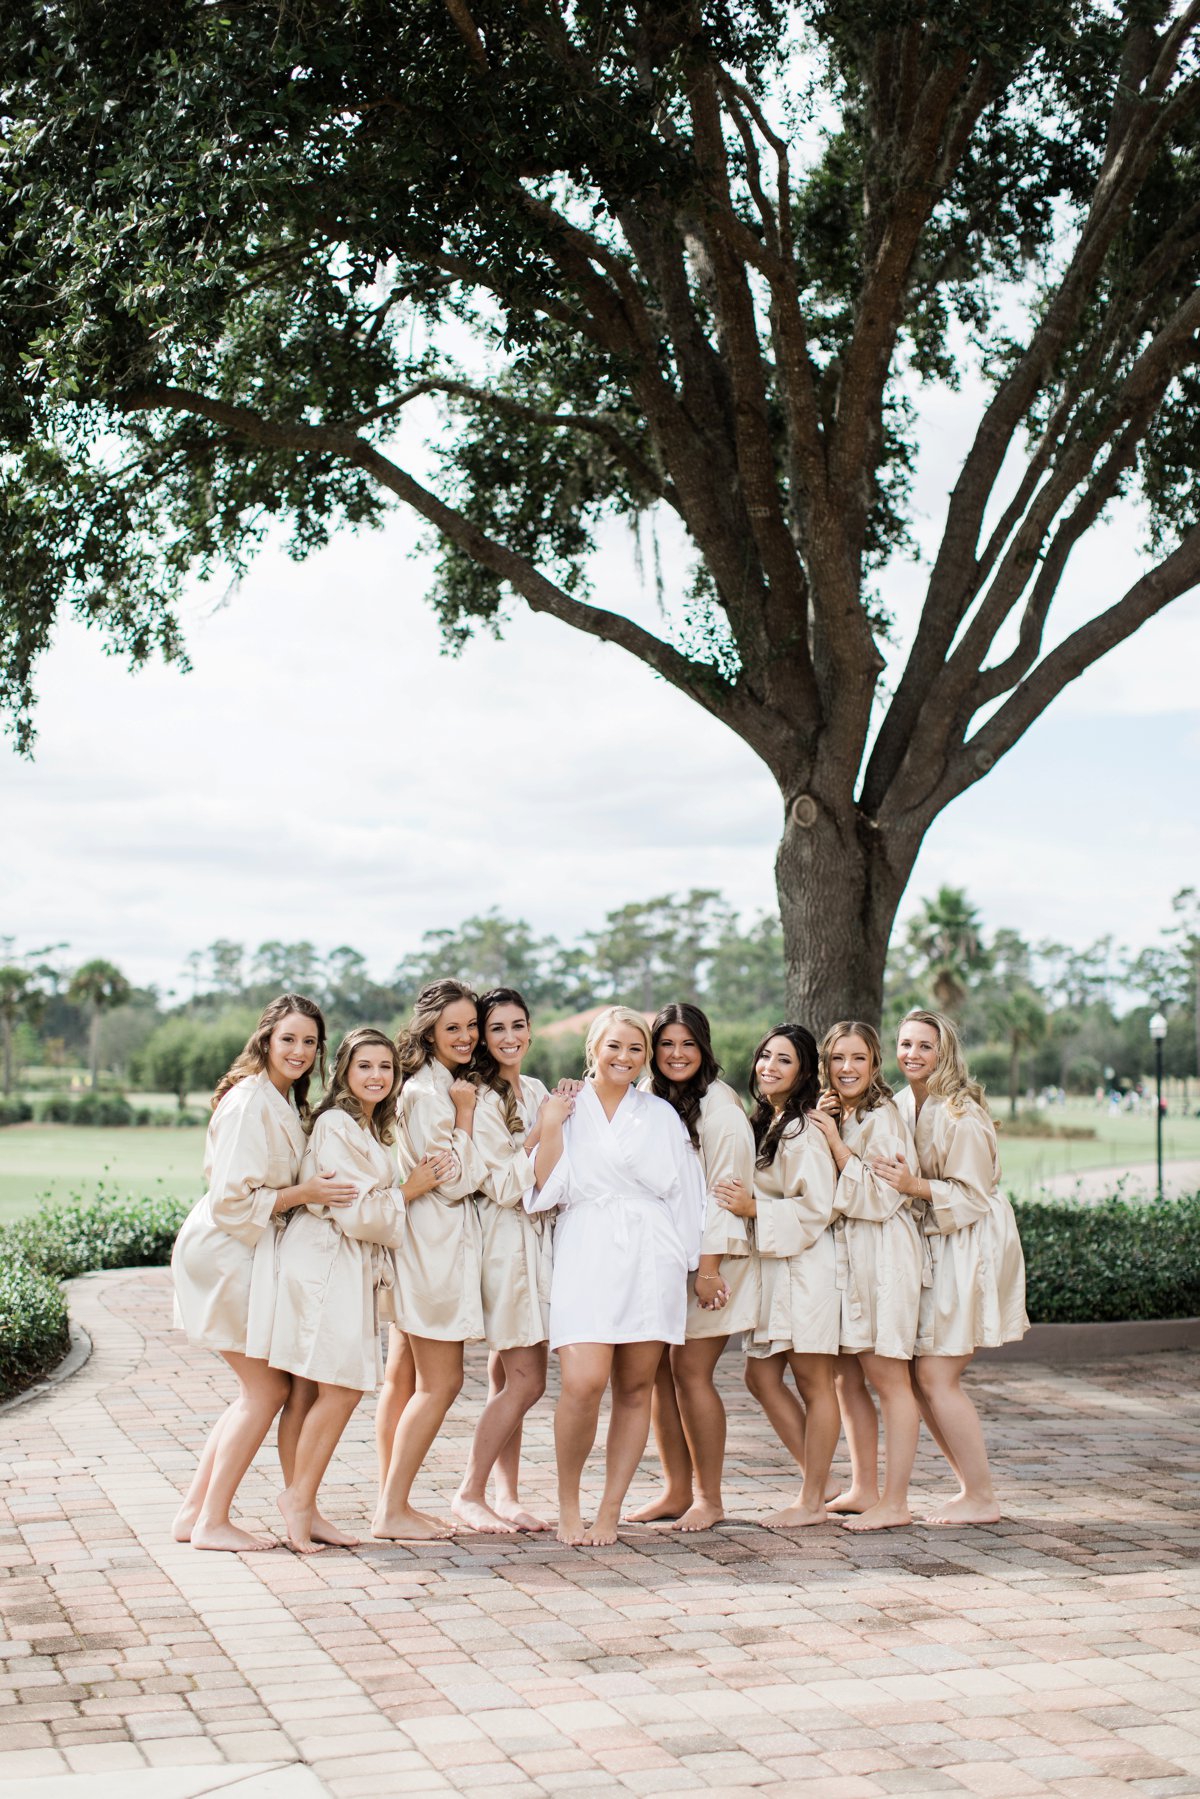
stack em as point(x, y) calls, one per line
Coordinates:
point(1158, 1030)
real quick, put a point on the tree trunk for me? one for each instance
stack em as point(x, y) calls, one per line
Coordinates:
point(837, 903)
point(1014, 1076)
point(8, 1054)
point(94, 1048)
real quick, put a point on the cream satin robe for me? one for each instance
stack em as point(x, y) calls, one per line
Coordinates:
point(335, 1264)
point(800, 1307)
point(977, 1299)
point(726, 1154)
point(438, 1263)
point(515, 1285)
point(877, 1240)
point(224, 1256)
point(630, 1224)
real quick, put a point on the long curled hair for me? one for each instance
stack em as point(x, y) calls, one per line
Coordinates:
point(877, 1089)
point(604, 1021)
point(685, 1096)
point(382, 1121)
point(414, 1044)
point(769, 1125)
point(485, 1067)
point(951, 1079)
point(253, 1059)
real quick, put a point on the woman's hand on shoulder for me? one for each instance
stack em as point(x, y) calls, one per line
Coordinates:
point(568, 1088)
point(826, 1115)
point(895, 1172)
point(433, 1170)
point(734, 1196)
point(317, 1190)
point(555, 1109)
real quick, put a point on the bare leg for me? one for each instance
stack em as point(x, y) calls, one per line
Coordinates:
point(193, 1499)
point(439, 1376)
point(673, 1453)
point(931, 1424)
point(862, 1437)
point(901, 1425)
point(813, 1375)
point(584, 1369)
point(960, 1434)
point(634, 1371)
point(693, 1365)
point(302, 1396)
point(764, 1380)
point(324, 1422)
point(262, 1391)
point(499, 1421)
point(399, 1385)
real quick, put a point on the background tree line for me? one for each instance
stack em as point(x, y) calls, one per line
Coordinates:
point(1032, 1014)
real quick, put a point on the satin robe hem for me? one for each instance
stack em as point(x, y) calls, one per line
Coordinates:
point(516, 1254)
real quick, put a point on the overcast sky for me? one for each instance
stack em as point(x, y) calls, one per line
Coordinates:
point(324, 773)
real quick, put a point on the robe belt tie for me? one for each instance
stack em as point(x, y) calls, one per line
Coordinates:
point(845, 1278)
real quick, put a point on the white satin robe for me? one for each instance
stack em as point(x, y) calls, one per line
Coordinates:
point(334, 1264)
point(438, 1264)
point(223, 1261)
point(977, 1296)
point(630, 1223)
point(516, 1245)
point(800, 1307)
point(879, 1248)
point(726, 1154)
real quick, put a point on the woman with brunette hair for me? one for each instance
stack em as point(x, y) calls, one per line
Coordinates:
point(336, 1273)
point(879, 1266)
point(977, 1296)
point(799, 1315)
point(438, 1305)
point(688, 1416)
point(619, 1165)
point(224, 1257)
point(516, 1264)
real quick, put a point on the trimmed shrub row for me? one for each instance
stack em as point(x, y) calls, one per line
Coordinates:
point(1120, 1259)
point(107, 1109)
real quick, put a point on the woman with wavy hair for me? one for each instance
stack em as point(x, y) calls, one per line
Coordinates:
point(516, 1250)
point(790, 1203)
point(223, 1262)
point(618, 1166)
point(438, 1306)
point(879, 1256)
point(688, 1416)
point(976, 1298)
point(336, 1269)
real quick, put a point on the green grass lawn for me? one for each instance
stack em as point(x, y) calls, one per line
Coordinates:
point(59, 1159)
point(1123, 1141)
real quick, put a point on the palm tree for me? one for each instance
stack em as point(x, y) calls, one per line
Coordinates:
point(21, 999)
point(100, 985)
point(948, 937)
point(1019, 1017)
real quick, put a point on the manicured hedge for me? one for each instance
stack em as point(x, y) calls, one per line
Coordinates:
point(33, 1324)
point(1119, 1259)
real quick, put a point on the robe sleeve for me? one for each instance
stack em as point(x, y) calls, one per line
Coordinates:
point(962, 1193)
point(687, 1197)
point(789, 1222)
point(246, 1179)
point(557, 1190)
point(429, 1129)
point(860, 1192)
point(727, 1154)
point(507, 1168)
point(378, 1214)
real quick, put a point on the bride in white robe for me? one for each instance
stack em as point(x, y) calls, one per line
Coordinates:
point(619, 1166)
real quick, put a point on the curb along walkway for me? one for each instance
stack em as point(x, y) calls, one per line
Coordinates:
point(1055, 1653)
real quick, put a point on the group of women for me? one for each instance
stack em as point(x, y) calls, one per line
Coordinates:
point(632, 1222)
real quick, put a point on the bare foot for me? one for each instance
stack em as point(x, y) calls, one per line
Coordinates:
point(964, 1510)
point(227, 1536)
point(833, 1485)
point(854, 1499)
point(516, 1514)
point(603, 1531)
point(879, 1517)
point(184, 1523)
point(795, 1517)
point(477, 1514)
point(667, 1505)
point(298, 1519)
point(570, 1526)
point(325, 1532)
point(408, 1524)
point(702, 1514)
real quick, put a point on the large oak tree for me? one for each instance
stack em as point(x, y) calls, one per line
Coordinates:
point(693, 255)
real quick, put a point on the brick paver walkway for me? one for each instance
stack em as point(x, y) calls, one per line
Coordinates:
point(1058, 1652)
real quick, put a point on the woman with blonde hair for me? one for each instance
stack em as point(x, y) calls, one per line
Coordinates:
point(516, 1249)
point(618, 1165)
point(976, 1298)
point(223, 1262)
point(879, 1258)
point(438, 1306)
point(336, 1268)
